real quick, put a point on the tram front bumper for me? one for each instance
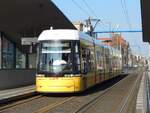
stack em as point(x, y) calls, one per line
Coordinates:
point(56, 85)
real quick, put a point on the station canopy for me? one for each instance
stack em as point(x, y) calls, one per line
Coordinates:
point(145, 5)
point(27, 18)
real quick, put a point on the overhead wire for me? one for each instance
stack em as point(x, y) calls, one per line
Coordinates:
point(127, 14)
point(125, 11)
point(90, 9)
point(82, 9)
point(101, 24)
point(93, 12)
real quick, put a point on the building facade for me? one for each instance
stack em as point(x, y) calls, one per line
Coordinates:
point(17, 67)
point(13, 57)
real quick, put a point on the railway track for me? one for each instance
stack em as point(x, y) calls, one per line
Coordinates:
point(122, 108)
point(13, 105)
point(56, 104)
point(51, 104)
point(115, 99)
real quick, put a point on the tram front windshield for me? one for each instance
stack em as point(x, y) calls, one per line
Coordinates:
point(57, 57)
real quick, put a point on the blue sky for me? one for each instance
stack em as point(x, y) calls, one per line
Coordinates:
point(109, 11)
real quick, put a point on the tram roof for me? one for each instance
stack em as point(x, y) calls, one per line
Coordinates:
point(70, 34)
point(67, 34)
point(59, 34)
point(64, 34)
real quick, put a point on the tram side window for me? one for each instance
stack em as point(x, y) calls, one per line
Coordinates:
point(100, 61)
point(77, 62)
point(86, 60)
point(98, 58)
point(76, 57)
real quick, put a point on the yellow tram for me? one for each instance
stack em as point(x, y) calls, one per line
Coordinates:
point(70, 61)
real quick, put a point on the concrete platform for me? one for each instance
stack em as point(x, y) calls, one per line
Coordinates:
point(16, 93)
point(10, 79)
point(142, 97)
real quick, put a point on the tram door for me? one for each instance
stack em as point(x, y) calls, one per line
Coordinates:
point(84, 69)
point(87, 67)
point(100, 65)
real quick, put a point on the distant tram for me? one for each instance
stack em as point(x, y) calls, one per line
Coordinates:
point(70, 61)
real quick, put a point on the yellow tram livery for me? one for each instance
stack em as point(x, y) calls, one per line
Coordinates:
point(70, 61)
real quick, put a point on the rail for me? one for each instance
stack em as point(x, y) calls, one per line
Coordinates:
point(51, 106)
point(3, 108)
point(124, 105)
